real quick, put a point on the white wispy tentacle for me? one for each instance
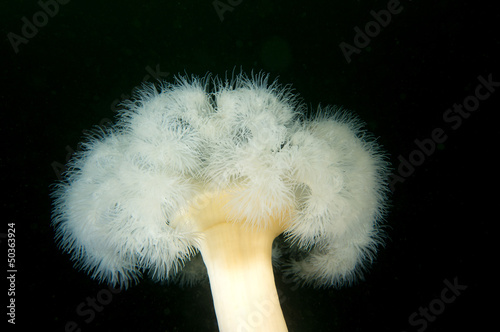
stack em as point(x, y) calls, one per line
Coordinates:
point(115, 209)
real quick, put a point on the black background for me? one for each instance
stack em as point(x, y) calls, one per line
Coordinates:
point(66, 78)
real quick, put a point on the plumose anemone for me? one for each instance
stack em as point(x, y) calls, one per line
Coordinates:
point(221, 168)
